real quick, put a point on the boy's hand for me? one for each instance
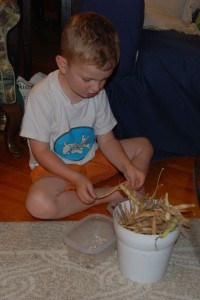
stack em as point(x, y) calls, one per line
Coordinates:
point(85, 190)
point(135, 177)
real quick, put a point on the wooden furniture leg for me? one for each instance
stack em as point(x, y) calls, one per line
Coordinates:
point(27, 40)
point(13, 120)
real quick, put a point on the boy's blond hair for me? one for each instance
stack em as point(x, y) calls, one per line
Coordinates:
point(92, 39)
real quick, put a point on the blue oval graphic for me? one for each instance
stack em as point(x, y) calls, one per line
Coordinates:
point(75, 144)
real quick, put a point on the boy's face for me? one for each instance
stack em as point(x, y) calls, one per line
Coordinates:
point(81, 81)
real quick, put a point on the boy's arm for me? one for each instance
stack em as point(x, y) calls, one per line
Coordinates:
point(115, 153)
point(52, 163)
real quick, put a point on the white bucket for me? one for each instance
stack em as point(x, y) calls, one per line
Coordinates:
point(143, 258)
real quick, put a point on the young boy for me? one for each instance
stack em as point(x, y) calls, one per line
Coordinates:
point(68, 124)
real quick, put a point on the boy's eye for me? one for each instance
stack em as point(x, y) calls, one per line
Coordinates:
point(86, 80)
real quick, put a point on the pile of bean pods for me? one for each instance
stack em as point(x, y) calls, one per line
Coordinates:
point(148, 215)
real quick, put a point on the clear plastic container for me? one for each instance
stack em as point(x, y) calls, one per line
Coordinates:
point(91, 241)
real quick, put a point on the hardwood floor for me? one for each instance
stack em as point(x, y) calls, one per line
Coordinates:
point(176, 179)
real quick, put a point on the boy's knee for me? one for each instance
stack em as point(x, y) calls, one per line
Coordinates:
point(147, 146)
point(39, 207)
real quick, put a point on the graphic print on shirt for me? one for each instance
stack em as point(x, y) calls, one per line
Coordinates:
point(75, 144)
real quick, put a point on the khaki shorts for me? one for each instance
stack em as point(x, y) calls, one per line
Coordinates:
point(98, 169)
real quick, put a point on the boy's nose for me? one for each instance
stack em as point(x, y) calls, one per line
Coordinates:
point(96, 87)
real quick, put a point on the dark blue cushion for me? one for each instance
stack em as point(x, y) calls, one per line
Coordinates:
point(161, 100)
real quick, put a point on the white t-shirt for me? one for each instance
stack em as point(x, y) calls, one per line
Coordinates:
point(70, 129)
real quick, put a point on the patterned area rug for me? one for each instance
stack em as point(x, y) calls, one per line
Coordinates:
point(34, 265)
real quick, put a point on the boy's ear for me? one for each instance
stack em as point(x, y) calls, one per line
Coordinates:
point(62, 63)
